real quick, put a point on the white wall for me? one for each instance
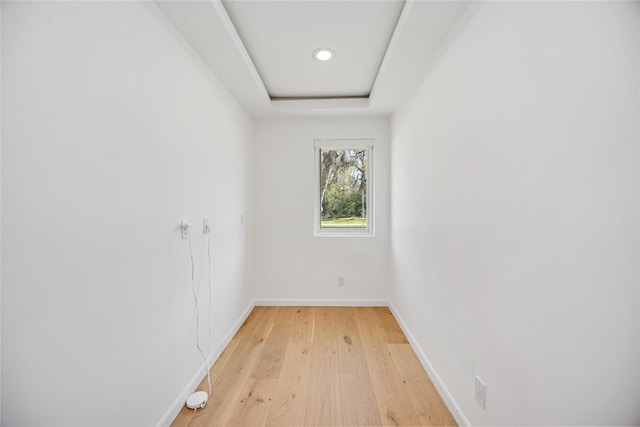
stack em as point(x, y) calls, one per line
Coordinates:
point(515, 234)
point(290, 262)
point(112, 130)
point(0, 213)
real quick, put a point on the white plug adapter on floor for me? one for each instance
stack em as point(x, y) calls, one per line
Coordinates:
point(197, 400)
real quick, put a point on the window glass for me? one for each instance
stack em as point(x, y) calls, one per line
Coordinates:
point(343, 188)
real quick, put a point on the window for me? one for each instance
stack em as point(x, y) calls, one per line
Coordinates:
point(344, 187)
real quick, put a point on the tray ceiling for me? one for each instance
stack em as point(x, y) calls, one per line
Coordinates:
point(280, 37)
point(261, 50)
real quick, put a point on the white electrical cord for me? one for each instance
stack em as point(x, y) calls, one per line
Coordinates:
point(210, 303)
point(194, 289)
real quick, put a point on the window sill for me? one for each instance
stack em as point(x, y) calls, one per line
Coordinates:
point(343, 233)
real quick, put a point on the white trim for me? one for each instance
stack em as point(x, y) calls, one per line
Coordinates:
point(318, 302)
point(453, 406)
point(318, 103)
point(346, 144)
point(402, 20)
point(178, 404)
point(242, 49)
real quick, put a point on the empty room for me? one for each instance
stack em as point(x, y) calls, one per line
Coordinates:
point(319, 213)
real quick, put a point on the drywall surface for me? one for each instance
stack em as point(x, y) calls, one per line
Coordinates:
point(289, 261)
point(112, 131)
point(0, 213)
point(515, 235)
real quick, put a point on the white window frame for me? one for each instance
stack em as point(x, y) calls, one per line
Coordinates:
point(341, 144)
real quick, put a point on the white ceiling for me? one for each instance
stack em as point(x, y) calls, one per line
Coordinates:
point(280, 37)
point(261, 50)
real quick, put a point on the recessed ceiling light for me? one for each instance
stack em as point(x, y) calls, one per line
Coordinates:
point(323, 54)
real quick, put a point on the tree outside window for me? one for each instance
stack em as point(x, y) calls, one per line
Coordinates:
point(343, 187)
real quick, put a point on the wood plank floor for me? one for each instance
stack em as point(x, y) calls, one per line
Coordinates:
point(319, 366)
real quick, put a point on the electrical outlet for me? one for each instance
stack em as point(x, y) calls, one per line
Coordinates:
point(481, 393)
point(340, 280)
point(184, 229)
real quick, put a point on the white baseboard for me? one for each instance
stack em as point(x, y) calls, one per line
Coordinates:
point(340, 302)
point(453, 406)
point(177, 405)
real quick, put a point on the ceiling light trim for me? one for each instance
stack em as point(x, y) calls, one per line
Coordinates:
point(323, 54)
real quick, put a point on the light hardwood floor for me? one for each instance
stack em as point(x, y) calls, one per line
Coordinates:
point(319, 366)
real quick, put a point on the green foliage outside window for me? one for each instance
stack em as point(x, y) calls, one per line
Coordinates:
point(343, 188)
